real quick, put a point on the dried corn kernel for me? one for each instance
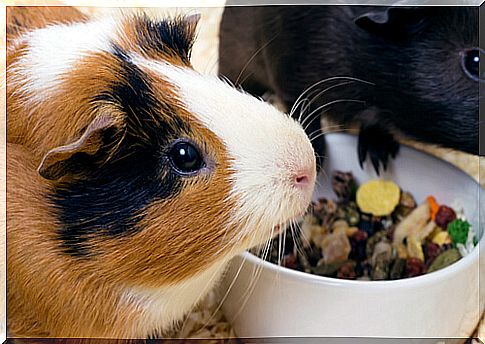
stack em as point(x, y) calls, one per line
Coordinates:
point(378, 197)
point(441, 238)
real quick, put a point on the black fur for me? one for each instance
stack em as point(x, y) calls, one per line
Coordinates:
point(173, 37)
point(108, 199)
point(412, 57)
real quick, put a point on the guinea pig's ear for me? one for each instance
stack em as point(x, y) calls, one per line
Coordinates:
point(393, 22)
point(71, 158)
point(192, 20)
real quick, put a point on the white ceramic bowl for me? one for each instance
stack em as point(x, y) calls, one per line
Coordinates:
point(288, 303)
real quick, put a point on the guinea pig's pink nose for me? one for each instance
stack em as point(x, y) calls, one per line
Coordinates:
point(304, 178)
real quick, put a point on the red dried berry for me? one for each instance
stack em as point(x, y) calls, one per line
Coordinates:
point(347, 271)
point(360, 235)
point(289, 261)
point(414, 267)
point(358, 242)
point(431, 251)
point(444, 216)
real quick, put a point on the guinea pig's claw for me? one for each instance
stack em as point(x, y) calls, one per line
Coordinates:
point(378, 144)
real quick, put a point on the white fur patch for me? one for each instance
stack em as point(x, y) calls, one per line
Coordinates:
point(267, 146)
point(160, 308)
point(52, 51)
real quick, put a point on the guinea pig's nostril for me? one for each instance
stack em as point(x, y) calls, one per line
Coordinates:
point(302, 180)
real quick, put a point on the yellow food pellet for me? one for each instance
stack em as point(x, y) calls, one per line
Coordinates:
point(351, 231)
point(435, 231)
point(441, 238)
point(378, 197)
point(414, 247)
point(401, 251)
point(340, 224)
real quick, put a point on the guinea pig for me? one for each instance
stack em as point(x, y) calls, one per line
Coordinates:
point(405, 71)
point(132, 178)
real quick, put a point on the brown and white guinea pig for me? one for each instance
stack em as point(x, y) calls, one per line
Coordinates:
point(132, 178)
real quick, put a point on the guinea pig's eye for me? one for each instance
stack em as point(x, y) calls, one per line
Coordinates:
point(471, 63)
point(185, 158)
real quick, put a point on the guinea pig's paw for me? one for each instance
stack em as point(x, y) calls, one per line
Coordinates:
point(379, 144)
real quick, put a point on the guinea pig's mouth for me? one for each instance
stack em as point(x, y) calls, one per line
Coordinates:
point(283, 226)
point(290, 222)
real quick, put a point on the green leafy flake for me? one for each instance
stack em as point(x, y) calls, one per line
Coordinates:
point(458, 230)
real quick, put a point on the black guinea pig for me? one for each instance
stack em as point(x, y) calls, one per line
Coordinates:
point(411, 71)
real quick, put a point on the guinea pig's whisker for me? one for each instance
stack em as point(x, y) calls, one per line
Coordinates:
point(252, 58)
point(295, 242)
point(317, 183)
point(204, 292)
point(227, 80)
point(301, 233)
point(212, 64)
point(254, 276)
point(253, 282)
point(304, 239)
point(327, 129)
point(327, 80)
point(310, 135)
point(310, 115)
point(313, 94)
point(317, 136)
point(322, 134)
point(252, 240)
point(319, 156)
point(303, 101)
point(325, 90)
point(224, 237)
point(300, 100)
point(229, 288)
point(280, 253)
point(253, 237)
point(321, 93)
point(284, 238)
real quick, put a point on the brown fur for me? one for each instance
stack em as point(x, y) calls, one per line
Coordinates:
point(27, 18)
point(21, 20)
point(34, 124)
point(50, 294)
point(53, 294)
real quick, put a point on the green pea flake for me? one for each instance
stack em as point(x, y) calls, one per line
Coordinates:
point(458, 231)
point(446, 258)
